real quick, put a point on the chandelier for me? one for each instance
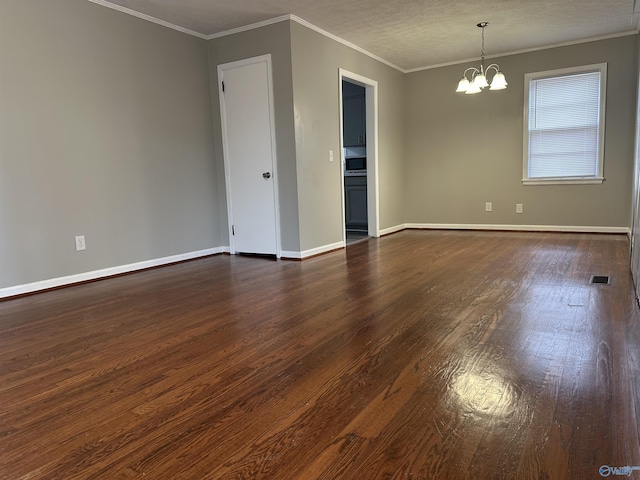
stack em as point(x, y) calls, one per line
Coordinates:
point(478, 77)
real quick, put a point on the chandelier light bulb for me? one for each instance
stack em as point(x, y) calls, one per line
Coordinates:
point(498, 82)
point(473, 88)
point(463, 85)
point(481, 81)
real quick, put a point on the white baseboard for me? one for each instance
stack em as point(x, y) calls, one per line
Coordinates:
point(518, 228)
point(108, 272)
point(460, 226)
point(390, 230)
point(105, 272)
point(314, 251)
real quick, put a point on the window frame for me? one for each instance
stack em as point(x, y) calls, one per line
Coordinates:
point(584, 180)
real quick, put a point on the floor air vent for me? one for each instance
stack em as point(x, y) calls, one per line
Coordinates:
point(600, 279)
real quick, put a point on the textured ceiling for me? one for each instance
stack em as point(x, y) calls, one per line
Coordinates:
point(413, 33)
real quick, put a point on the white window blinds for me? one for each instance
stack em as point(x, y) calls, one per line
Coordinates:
point(564, 126)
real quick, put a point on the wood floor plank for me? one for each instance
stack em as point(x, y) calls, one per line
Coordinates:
point(421, 355)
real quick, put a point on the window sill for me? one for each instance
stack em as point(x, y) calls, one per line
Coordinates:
point(563, 181)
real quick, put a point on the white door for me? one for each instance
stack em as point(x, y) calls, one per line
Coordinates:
point(246, 103)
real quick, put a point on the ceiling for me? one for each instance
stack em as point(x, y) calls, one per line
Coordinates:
point(412, 34)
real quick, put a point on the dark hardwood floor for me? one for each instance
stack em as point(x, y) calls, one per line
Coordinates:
point(421, 355)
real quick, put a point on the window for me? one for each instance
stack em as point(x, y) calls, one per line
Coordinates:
point(564, 125)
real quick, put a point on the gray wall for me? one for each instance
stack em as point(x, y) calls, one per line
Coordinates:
point(110, 128)
point(463, 151)
point(275, 40)
point(316, 60)
point(105, 131)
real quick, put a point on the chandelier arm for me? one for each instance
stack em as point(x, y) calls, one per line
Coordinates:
point(473, 69)
point(495, 67)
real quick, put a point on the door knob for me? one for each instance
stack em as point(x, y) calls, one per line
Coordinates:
point(266, 175)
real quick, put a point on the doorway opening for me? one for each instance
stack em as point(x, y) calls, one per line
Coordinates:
point(358, 126)
point(354, 141)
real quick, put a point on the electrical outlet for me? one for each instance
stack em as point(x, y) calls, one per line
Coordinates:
point(331, 155)
point(80, 243)
point(518, 208)
point(488, 207)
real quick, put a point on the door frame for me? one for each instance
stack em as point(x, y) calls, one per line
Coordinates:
point(221, 68)
point(634, 230)
point(371, 115)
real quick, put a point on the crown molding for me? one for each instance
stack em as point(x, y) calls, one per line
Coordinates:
point(264, 23)
point(310, 26)
point(148, 18)
point(526, 50)
point(251, 26)
point(301, 21)
point(345, 42)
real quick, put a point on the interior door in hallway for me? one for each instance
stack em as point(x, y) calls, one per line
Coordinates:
point(246, 103)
